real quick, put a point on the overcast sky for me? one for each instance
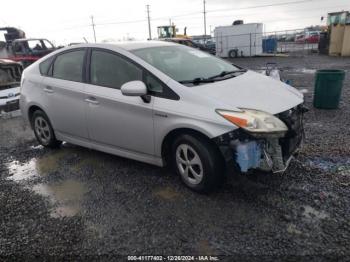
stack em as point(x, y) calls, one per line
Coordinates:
point(69, 21)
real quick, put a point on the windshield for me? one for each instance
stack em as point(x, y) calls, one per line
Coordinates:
point(182, 63)
point(36, 45)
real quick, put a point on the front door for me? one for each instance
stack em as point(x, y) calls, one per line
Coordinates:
point(115, 120)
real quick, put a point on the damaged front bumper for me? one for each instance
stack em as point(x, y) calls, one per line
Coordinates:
point(271, 152)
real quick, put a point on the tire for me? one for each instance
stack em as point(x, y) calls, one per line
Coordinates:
point(202, 169)
point(43, 130)
point(233, 54)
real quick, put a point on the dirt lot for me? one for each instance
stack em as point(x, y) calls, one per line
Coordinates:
point(86, 204)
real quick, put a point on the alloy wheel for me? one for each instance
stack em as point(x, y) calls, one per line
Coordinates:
point(42, 129)
point(189, 164)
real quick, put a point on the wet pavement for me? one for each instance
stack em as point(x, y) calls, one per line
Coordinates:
point(86, 204)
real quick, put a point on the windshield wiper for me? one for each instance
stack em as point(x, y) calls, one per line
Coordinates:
point(200, 80)
point(197, 81)
point(225, 73)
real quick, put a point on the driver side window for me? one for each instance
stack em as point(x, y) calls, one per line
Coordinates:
point(110, 70)
point(153, 85)
point(158, 89)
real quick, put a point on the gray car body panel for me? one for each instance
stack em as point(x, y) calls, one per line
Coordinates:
point(127, 126)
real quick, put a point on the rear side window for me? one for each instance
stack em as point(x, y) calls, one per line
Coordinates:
point(45, 66)
point(111, 70)
point(69, 66)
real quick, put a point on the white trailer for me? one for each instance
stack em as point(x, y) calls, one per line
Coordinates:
point(239, 40)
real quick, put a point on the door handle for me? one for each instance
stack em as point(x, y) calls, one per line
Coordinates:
point(92, 100)
point(48, 89)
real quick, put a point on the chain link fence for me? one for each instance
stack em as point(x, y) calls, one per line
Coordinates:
point(297, 41)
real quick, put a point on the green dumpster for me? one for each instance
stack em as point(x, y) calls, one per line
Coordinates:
point(328, 87)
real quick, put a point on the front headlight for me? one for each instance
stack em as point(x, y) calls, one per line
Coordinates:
point(254, 121)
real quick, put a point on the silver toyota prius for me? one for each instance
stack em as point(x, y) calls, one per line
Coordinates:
point(164, 104)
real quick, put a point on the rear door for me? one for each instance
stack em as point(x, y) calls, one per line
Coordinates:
point(64, 94)
point(115, 120)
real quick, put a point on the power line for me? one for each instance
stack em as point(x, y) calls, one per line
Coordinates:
point(122, 22)
point(285, 12)
point(261, 6)
point(187, 14)
point(211, 11)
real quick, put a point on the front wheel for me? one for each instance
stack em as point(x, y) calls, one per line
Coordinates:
point(43, 130)
point(198, 163)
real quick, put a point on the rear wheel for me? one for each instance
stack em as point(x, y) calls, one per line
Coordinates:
point(43, 130)
point(198, 163)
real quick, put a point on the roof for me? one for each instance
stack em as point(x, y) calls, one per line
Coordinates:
point(239, 25)
point(176, 39)
point(131, 45)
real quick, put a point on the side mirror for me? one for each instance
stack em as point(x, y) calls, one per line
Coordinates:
point(134, 88)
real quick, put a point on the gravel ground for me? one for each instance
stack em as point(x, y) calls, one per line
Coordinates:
point(77, 203)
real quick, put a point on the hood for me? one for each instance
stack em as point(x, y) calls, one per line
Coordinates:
point(252, 91)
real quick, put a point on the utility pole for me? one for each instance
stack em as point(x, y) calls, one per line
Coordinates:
point(93, 26)
point(205, 19)
point(149, 23)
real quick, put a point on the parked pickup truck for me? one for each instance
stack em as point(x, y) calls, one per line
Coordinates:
point(28, 51)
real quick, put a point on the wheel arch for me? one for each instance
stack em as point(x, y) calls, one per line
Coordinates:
point(170, 136)
point(31, 110)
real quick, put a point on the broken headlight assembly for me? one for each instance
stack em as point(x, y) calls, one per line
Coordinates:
point(262, 152)
point(254, 121)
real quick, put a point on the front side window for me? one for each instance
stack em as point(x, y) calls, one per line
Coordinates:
point(69, 66)
point(182, 63)
point(153, 84)
point(111, 70)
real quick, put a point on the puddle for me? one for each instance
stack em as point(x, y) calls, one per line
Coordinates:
point(20, 172)
point(50, 162)
point(312, 214)
point(67, 195)
point(34, 167)
point(167, 193)
point(94, 162)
